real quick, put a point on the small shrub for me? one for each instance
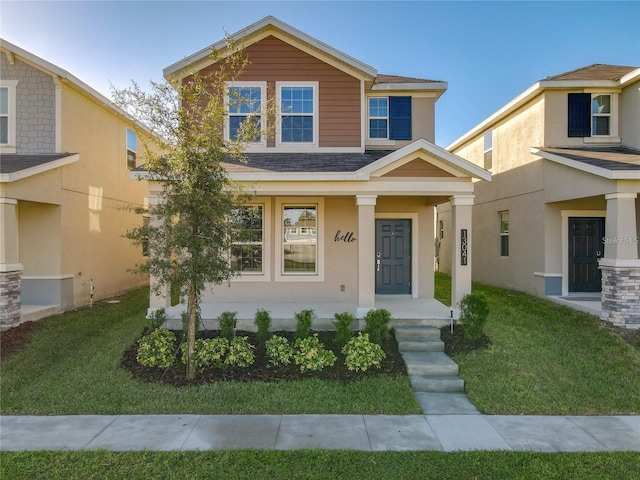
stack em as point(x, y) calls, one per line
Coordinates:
point(303, 325)
point(263, 321)
point(377, 325)
point(240, 353)
point(474, 310)
point(343, 324)
point(156, 349)
point(361, 353)
point(228, 323)
point(311, 355)
point(209, 352)
point(157, 318)
point(279, 351)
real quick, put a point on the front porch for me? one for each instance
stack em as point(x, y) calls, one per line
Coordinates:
point(283, 313)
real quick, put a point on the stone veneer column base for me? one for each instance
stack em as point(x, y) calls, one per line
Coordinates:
point(9, 299)
point(621, 296)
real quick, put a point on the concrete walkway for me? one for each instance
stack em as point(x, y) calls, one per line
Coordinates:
point(352, 432)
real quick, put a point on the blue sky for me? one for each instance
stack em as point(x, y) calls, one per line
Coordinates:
point(488, 52)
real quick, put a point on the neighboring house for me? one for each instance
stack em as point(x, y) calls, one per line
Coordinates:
point(561, 215)
point(347, 185)
point(65, 156)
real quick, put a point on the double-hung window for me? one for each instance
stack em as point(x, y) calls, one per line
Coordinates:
point(245, 104)
point(247, 253)
point(389, 118)
point(8, 115)
point(590, 115)
point(132, 148)
point(504, 234)
point(300, 239)
point(298, 111)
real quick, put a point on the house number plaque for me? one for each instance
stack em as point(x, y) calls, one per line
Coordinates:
point(464, 252)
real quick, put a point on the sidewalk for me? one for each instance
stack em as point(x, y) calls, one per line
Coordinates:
point(351, 432)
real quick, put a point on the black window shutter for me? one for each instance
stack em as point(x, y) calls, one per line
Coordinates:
point(579, 115)
point(400, 118)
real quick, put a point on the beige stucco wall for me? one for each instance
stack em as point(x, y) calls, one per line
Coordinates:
point(630, 116)
point(39, 226)
point(95, 190)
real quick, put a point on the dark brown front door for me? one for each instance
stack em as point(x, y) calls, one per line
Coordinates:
point(585, 248)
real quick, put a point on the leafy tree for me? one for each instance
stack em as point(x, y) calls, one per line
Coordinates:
point(189, 235)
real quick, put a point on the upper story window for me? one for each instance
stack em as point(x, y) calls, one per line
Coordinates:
point(8, 115)
point(132, 147)
point(244, 103)
point(298, 110)
point(390, 118)
point(590, 115)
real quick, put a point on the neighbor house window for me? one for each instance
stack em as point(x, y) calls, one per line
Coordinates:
point(300, 239)
point(8, 115)
point(590, 115)
point(247, 253)
point(132, 144)
point(504, 234)
point(244, 103)
point(298, 113)
point(488, 150)
point(390, 118)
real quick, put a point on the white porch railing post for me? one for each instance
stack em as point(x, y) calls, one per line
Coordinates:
point(366, 253)
point(161, 298)
point(461, 213)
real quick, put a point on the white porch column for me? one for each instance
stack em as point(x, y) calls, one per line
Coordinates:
point(10, 267)
point(620, 266)
point(461, 214)
point(366, 253)
point(157, 298)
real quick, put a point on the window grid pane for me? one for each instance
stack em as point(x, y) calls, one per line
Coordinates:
point(300, 232)
point(4, 101)
point(600, 126)
point(4, 130)
point(247, 253)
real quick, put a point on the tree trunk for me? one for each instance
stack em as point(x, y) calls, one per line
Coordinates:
point(191, 332)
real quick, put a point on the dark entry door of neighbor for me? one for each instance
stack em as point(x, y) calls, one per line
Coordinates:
point(393, 256)
point(585, 248)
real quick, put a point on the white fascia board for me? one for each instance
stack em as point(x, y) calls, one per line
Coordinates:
point(297, 177)
point(585, 167)
point(514, 104)
point(459, 163)
point(266, 22)
point(630, 77)
point(410, 86)
point(45, 167)
point(67, 77)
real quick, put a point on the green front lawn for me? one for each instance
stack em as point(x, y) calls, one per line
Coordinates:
point(545, 359)
point(306, 464)
point(71, 366)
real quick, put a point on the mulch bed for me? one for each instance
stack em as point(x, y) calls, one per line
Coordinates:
point(14, 340)
point(393, 364)
point(457, 342)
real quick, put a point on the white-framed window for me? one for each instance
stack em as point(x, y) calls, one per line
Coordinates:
point(379, 117)
point(132, 148)
point(600, 115)
point(300, 226)
point(247, 254)
point(504, 233)
point(245, 109)
point(8, 115)
point(298, 114)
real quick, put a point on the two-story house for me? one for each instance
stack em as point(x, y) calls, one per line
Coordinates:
point(345, 187)
point(561, 217)
point(65, 157)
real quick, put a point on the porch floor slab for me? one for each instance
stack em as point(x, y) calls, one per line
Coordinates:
point(586, 303)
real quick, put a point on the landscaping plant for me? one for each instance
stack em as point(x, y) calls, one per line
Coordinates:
point(228, 322)
point(157, 318)
point(376, 324)
point(240, 353)
point(304, 320)
point(474, 311)
point(263, 322)
point(279, 351)
point(360, 353)
point(157, 349)
point(343, 322)
point(209, 352)
point(310, 354)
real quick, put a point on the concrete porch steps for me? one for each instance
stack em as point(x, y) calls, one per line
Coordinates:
point(434, 376)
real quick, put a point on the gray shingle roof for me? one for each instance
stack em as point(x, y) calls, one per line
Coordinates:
point(610, 158)
point(11, 163)
point(305, 162)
